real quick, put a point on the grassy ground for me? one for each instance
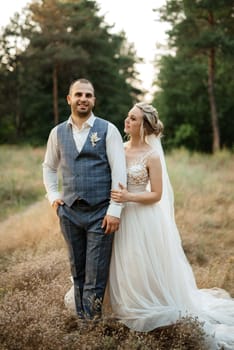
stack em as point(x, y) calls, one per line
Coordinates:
point(34, 270)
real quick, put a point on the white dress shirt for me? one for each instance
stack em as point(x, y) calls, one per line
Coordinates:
point(115, 155)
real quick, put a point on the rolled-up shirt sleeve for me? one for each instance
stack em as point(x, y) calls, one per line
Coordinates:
point(50, 167)
point(116, 158)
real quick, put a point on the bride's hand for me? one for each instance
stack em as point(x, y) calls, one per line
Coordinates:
point(121, 195)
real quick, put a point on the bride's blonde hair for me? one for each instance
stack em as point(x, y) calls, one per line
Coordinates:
point(151, 122)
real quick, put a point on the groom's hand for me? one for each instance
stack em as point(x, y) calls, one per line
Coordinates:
point(110, 224)
point(56, 203)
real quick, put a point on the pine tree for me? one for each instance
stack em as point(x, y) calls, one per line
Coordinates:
point(202, 30)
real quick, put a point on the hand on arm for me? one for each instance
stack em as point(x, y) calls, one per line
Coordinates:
point(122, 195)
point(155, 177)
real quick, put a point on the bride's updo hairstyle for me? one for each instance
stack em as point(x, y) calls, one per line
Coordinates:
point(151, 122)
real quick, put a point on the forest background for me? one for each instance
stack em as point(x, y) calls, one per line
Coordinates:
point(53, 42)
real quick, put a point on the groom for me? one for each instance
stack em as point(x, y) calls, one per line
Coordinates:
point(89, 151)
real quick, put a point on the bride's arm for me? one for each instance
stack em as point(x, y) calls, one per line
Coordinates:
point(155, 177)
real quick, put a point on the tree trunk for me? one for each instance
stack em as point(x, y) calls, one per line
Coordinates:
point(18, 121)
point(17, 116)
point(55, 94)
point(213, 110)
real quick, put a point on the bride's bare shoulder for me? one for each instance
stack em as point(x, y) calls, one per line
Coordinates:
point(152, 157)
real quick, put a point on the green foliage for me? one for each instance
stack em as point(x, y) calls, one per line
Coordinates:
point(183, 100)
point(183, 103)
point(62, 41)
point(185, 135)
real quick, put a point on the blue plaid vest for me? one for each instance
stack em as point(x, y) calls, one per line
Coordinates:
point(86, 174)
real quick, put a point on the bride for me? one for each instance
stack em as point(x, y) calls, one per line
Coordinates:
point(151, 283)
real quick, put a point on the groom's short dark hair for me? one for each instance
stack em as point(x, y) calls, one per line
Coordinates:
point(82, 81)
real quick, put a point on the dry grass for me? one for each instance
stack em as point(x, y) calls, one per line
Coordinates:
point(34, 272)
point(20, 185)
point(204, 192)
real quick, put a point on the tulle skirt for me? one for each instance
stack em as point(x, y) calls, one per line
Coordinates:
point(151, 283)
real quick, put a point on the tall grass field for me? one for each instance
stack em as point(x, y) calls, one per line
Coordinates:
point(34, 268)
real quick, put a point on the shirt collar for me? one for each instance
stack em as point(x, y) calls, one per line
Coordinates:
point(89, 122)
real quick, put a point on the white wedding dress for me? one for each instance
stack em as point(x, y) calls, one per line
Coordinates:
point(151, 282)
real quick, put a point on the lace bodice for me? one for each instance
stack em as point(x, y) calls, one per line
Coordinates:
point(137, 173)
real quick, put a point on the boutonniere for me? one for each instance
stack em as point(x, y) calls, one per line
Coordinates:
point(94, 138)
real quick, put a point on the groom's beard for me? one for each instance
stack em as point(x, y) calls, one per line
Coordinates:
point(83, 111)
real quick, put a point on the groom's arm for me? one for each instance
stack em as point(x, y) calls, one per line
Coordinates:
point(116, 158)
point(50, 168)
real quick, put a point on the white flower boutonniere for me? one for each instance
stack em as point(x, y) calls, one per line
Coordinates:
point(94, 138)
